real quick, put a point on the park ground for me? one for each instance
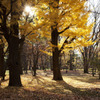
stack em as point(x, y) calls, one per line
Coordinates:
point(75, 86)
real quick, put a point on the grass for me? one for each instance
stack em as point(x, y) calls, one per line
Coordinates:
point(75, 86)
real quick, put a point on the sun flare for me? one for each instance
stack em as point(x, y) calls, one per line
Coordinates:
point(28, 9)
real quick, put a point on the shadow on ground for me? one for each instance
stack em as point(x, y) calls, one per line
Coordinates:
point(61, 87)
point(44, 88)
point(76, 75)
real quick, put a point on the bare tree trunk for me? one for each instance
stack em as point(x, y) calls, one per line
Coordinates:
point(85, 59)
point(51, 63)
point(42, 63)
point(14, 48)
point(2, 66)
point(13, 63)
point(20, 49)
point(35, 57)
point(99, 75)
point(85, 67)
point(56, 68)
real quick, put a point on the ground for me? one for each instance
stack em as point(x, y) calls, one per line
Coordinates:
point(75, 86)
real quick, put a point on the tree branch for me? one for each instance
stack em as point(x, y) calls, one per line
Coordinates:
point(64, 29)
point(94, 12)
point(67, 42)
point(28, 34)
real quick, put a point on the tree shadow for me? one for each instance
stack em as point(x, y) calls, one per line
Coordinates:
point(80, 91)
point(92, 80)
point(38, 79)
point(27, 93)
point(64, 88)
point(49, 90)
point(82, 77)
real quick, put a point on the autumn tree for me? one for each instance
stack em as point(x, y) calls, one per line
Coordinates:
point(62, 19)
point(11, 19)
point(53, 19)
point(88, 53)
point(67, 20)
point(9, 27)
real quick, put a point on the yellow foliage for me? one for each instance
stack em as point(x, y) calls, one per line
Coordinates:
point(70, 13)
point(48, 53)
point(57, 13)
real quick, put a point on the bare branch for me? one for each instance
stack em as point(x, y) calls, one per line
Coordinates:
point(94, 12)
point(28, 34)
point(67, 42)
point(64, 29)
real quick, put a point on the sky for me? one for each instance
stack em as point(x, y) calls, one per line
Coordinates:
point(94, 4)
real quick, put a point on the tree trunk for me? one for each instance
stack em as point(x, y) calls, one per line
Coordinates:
point(14, 47)
point(99, 75)
point(56, 68)
point(51, 63)
point(42, 63)
point(85, 60)
point(85, 69)
point(85, 66)
point(71, 60)
point(20, 57)
point(13, 63)
point(2, 67)
point(34, 70)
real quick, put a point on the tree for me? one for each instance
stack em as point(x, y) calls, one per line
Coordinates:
point(53, 19)
point(88, 53)
point(14, 45)
point(35, 54)
point(10, 14)
point(67, 21)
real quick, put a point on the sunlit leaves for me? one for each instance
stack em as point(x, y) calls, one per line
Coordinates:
point(43, 14)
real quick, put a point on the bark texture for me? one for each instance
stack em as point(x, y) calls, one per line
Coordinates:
point(56, 54)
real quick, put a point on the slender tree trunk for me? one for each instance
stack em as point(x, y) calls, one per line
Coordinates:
point(35, 57)
point(56, 68)
point(2, 67)
point(85, 57)
point(93, 72)
point(99, 75)
point(85, 65)
point(34, 70)
point(42, 63)
point(70, 62)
